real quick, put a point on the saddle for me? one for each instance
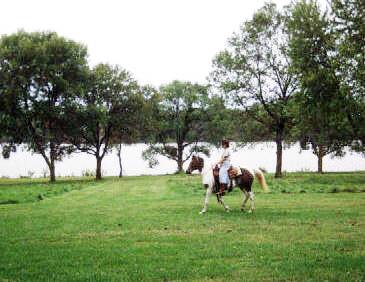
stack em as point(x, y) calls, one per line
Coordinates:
point(243, 178)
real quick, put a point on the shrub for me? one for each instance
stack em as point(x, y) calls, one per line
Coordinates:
point(350, 190)
point(88, 173)
point(335, 190)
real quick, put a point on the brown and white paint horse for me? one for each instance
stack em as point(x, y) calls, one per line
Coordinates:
point(242, 177)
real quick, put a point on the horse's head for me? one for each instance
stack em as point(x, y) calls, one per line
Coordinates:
point(196, 163)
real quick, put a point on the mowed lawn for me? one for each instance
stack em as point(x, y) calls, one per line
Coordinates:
point(149, 229)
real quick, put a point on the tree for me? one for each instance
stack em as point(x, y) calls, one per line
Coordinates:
point(256, 69)
point(348, 23)
point(136, 127)
point(258, 127)
point(178, 120)
point(322, 121)
point(8, 138)
point(106, 109)
point(39, 72)
point(220, 122)
point(348, 20)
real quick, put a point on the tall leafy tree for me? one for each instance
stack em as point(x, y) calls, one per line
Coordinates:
point(178, 123)
point(106, 109)
point(258, 129)
point(220, 122)
point(8, 121)
point(322, 122)
point(255, 68)
point(348, 22)
point(138, 126)
point(40, 72)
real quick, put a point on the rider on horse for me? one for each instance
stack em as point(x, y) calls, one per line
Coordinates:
point(225, 163)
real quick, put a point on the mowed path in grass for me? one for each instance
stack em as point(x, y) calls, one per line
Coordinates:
point(149, 228)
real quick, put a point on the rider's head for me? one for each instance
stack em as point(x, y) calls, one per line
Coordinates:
point(225, 143)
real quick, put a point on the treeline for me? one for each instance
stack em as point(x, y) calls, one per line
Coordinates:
point(286, 76)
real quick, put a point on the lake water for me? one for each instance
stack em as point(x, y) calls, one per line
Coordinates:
point(258, 155)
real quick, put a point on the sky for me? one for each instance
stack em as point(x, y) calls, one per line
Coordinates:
point(158, 41)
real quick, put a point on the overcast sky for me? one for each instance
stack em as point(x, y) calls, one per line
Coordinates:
point(156, 40)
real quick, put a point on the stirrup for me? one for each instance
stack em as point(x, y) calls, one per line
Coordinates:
point(221, 193)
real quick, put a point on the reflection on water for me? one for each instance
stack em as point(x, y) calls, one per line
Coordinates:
point(258, 155)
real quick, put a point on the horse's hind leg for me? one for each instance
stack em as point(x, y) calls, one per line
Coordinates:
point(244, 201)
point(252, 203)
point(207, 196)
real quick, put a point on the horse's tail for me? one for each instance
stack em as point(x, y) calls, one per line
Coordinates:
point(261, 178)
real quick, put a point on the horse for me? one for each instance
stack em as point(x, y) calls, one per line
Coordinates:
point(242, 177)
point(197, 163)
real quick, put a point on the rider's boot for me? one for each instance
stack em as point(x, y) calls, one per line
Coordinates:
point(230, 187)
point(223, 187)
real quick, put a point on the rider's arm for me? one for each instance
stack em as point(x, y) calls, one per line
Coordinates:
point(224, 156)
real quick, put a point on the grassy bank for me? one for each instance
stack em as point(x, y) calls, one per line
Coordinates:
point(14, 191)
point(148, 228)
point(24, 190)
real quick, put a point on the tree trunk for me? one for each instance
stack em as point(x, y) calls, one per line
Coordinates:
point(320, 158)
point(279, 154)
point(51, 165)
point(180, 150)
point(98, 168)
point(52, 169)
point(120, 160)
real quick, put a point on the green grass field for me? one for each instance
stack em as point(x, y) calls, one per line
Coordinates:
point(310, 228)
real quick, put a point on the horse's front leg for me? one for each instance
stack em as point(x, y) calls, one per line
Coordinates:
point(252, 204)
point(226, 207)
point(207, 196)
point(244, 201)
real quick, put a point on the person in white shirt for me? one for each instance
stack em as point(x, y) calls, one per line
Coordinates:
point(225, 163)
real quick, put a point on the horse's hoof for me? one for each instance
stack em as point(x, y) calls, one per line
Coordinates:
point(250, 211)
point(242, 209)
point(202, 212)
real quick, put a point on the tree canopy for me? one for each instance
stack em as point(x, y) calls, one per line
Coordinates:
point(179, 121)
point(108, 108)
point(39, 73)
point(287, 76)
point(256, 69)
